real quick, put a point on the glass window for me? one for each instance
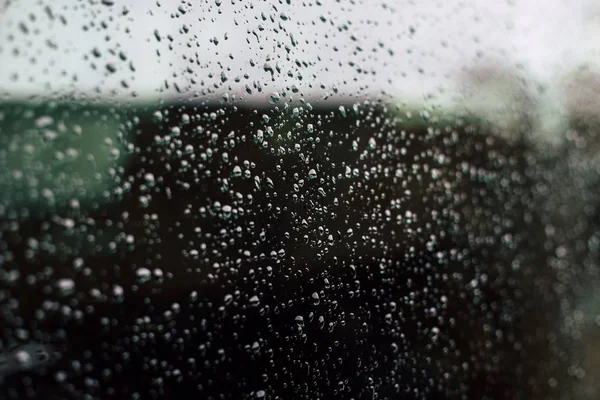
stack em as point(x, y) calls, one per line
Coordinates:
point(299, 199)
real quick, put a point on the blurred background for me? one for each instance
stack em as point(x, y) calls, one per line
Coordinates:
point(299, 199)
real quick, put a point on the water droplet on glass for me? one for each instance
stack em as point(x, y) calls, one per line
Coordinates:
point(23, 359)
point(237, 171)
point(254, 301)
point(275, 98)
point(372, 144)
point(143, 274)
point(315, 298)
point(65, 286)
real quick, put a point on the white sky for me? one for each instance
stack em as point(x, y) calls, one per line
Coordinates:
point(430, 41)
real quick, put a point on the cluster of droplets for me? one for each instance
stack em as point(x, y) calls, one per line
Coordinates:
point(325, 247)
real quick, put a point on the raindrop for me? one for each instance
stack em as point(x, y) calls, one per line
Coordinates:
point(315, 298)
point(237, 171)
point(23, 359)
point(274, 98)
point(143, 274)
point(254, 301)
point(65, 286)
point(372, 144)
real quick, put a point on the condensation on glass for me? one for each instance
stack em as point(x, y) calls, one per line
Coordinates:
point(290, 199)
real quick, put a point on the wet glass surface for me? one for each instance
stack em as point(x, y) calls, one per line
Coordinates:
point(286, 200)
